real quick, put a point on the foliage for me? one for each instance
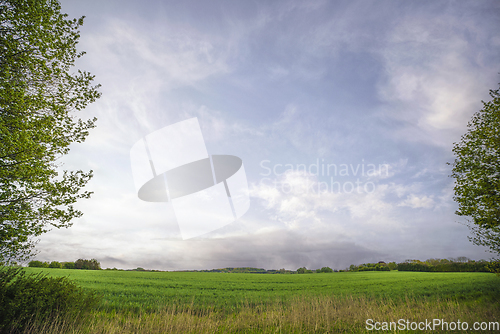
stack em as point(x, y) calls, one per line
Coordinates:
point(476, 170)
point(31, 298)
point(55, 264)
point(87, 264)
point(435, 265)
point(38, 96)
point(304, 270)
point(392, 265)
point(38, 264)
point(488, 237)
point(380, 266)
point(494, 267)
point(68, 265)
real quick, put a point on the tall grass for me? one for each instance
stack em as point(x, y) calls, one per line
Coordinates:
point(300, 314)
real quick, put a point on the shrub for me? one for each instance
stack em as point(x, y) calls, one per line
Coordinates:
point(29, 299)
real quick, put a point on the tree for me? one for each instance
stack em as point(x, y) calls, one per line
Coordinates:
point(55, 264)
point(476, 170)
point(38, 98)
point(92, 264)
point(68, 265)
point(488, 237)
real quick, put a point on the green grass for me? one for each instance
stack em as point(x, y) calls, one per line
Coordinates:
point(151, 291)
point(189, 302)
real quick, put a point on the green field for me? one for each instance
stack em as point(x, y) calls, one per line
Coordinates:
point(207, 302)
point(151, 291)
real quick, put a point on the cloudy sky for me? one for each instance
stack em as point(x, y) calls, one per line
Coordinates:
point(377, 90)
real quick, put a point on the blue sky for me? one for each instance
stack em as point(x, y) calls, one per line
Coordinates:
point(350, 84)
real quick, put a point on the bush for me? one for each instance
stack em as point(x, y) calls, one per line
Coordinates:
point(29, 299)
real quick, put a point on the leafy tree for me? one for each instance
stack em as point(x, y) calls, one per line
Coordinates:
point(87, 264)
point(476, 170)
point(55, 264)
point(35, 264)
point(488, 237)
point(68, 265)
point(301, 270)
point(38, 96)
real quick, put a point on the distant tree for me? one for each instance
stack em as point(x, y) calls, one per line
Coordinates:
point(392, 265)
point(68, 265)
point(301, 270)
point(55, 264)
point(35, 264)
point(476, 170)
point(326, 270)
point(38, 98)
point(87, 264)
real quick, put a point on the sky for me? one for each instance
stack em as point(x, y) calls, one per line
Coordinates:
point(344, 114)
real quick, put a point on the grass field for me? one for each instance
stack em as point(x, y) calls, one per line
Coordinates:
point(153, 290)
point(157, 302)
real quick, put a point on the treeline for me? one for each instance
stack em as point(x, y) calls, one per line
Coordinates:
point(246, 270)
point(443, 265)
point(304, 270)
point(380, 266)
point(461, 264)
point(92, 264)
point(250, 270)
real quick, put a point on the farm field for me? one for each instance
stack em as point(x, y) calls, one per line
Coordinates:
point(133, 290)
point(171, 302)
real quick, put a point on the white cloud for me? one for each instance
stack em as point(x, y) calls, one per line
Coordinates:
point(435, 77)
point(416, 202)
point(301, 200)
